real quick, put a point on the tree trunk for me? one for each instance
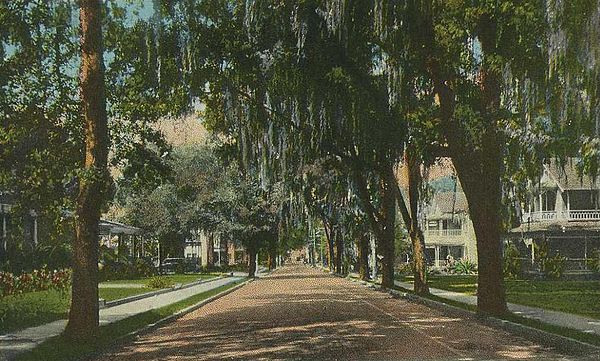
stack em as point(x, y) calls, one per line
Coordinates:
point(383, 220)
point(416, 234)
point(339, 250)
point(83, 314)
point(225, 255)
point(273, 257)
point(363, 257)
point(388, 235)
point(210, 251)
point(252, 260)
point(330, 249)
point(478, 168)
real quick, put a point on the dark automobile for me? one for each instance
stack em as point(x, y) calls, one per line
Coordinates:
point(179, 265)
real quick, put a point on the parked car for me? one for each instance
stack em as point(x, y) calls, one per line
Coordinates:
point(179, 265)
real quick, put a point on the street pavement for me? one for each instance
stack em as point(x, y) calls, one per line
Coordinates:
point(299, 312)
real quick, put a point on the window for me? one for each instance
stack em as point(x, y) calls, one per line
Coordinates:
point(456, 251)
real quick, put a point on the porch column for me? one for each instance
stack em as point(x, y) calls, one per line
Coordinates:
point(4, 230)
point(119, 244)
point(131, 246)
point(585, 247)
point(204, 247)
point(35, 231)
point(437, 256)
point(159, 257)
point(541, 204)
point(219, 256)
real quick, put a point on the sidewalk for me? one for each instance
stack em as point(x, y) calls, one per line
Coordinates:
point(21, 341)
point(569, 320)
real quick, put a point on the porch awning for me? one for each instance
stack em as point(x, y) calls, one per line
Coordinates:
point(106, 227)
point(567, 228)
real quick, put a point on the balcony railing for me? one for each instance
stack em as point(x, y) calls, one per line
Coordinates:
point(584, 215)
point(542, 216)
point(444, 232)
point(571, 215)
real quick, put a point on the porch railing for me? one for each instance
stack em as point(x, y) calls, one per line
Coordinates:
point(541, 216)
point(584, 215)
point(444, 232)
point(571, 215)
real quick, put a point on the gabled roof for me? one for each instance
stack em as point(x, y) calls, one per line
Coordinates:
point(567, 177)
point(448, 203)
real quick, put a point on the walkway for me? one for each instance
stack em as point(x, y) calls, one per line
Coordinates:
point(303, 313)
point(12, 344)
point(580, 323)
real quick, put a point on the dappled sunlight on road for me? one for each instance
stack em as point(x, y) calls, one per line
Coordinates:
point(303, 313)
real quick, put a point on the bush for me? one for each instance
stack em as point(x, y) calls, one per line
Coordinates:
point(593, 263)
point(551, 266)
point(405, 269)
point(38, 280)
point(512, 262)
point(24, 258)
point(433, 271)
point(464, 267)
point(119, 269)
point(158, 282)
point(144, 267)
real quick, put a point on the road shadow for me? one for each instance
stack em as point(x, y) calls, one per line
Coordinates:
point(320, 317)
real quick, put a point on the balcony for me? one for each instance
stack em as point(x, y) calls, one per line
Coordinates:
point(444, 232)
point(571, 215)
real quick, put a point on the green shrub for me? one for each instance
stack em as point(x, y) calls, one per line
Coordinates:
point(405, 269)
point(593, 262)
point(512, 262)
point(465, 267)
point(551, 266)
point(158, 282)
point(144, 267)
point(122, 269)
point(432, 271)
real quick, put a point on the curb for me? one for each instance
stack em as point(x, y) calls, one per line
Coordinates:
point(183, 312)
point(156, 293)
point(545, 338)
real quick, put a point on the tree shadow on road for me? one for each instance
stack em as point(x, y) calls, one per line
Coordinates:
point(300, 317)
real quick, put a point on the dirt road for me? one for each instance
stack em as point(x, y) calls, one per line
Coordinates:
point(303, 313)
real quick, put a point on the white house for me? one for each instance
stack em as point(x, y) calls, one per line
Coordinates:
point(448, 229)
point(563, 211)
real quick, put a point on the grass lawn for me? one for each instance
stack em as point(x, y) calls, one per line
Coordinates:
point(32, 309)
point(60, 348)
point(111, 294)
point(578, 297)
point(36, 308)
point(177, 278)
